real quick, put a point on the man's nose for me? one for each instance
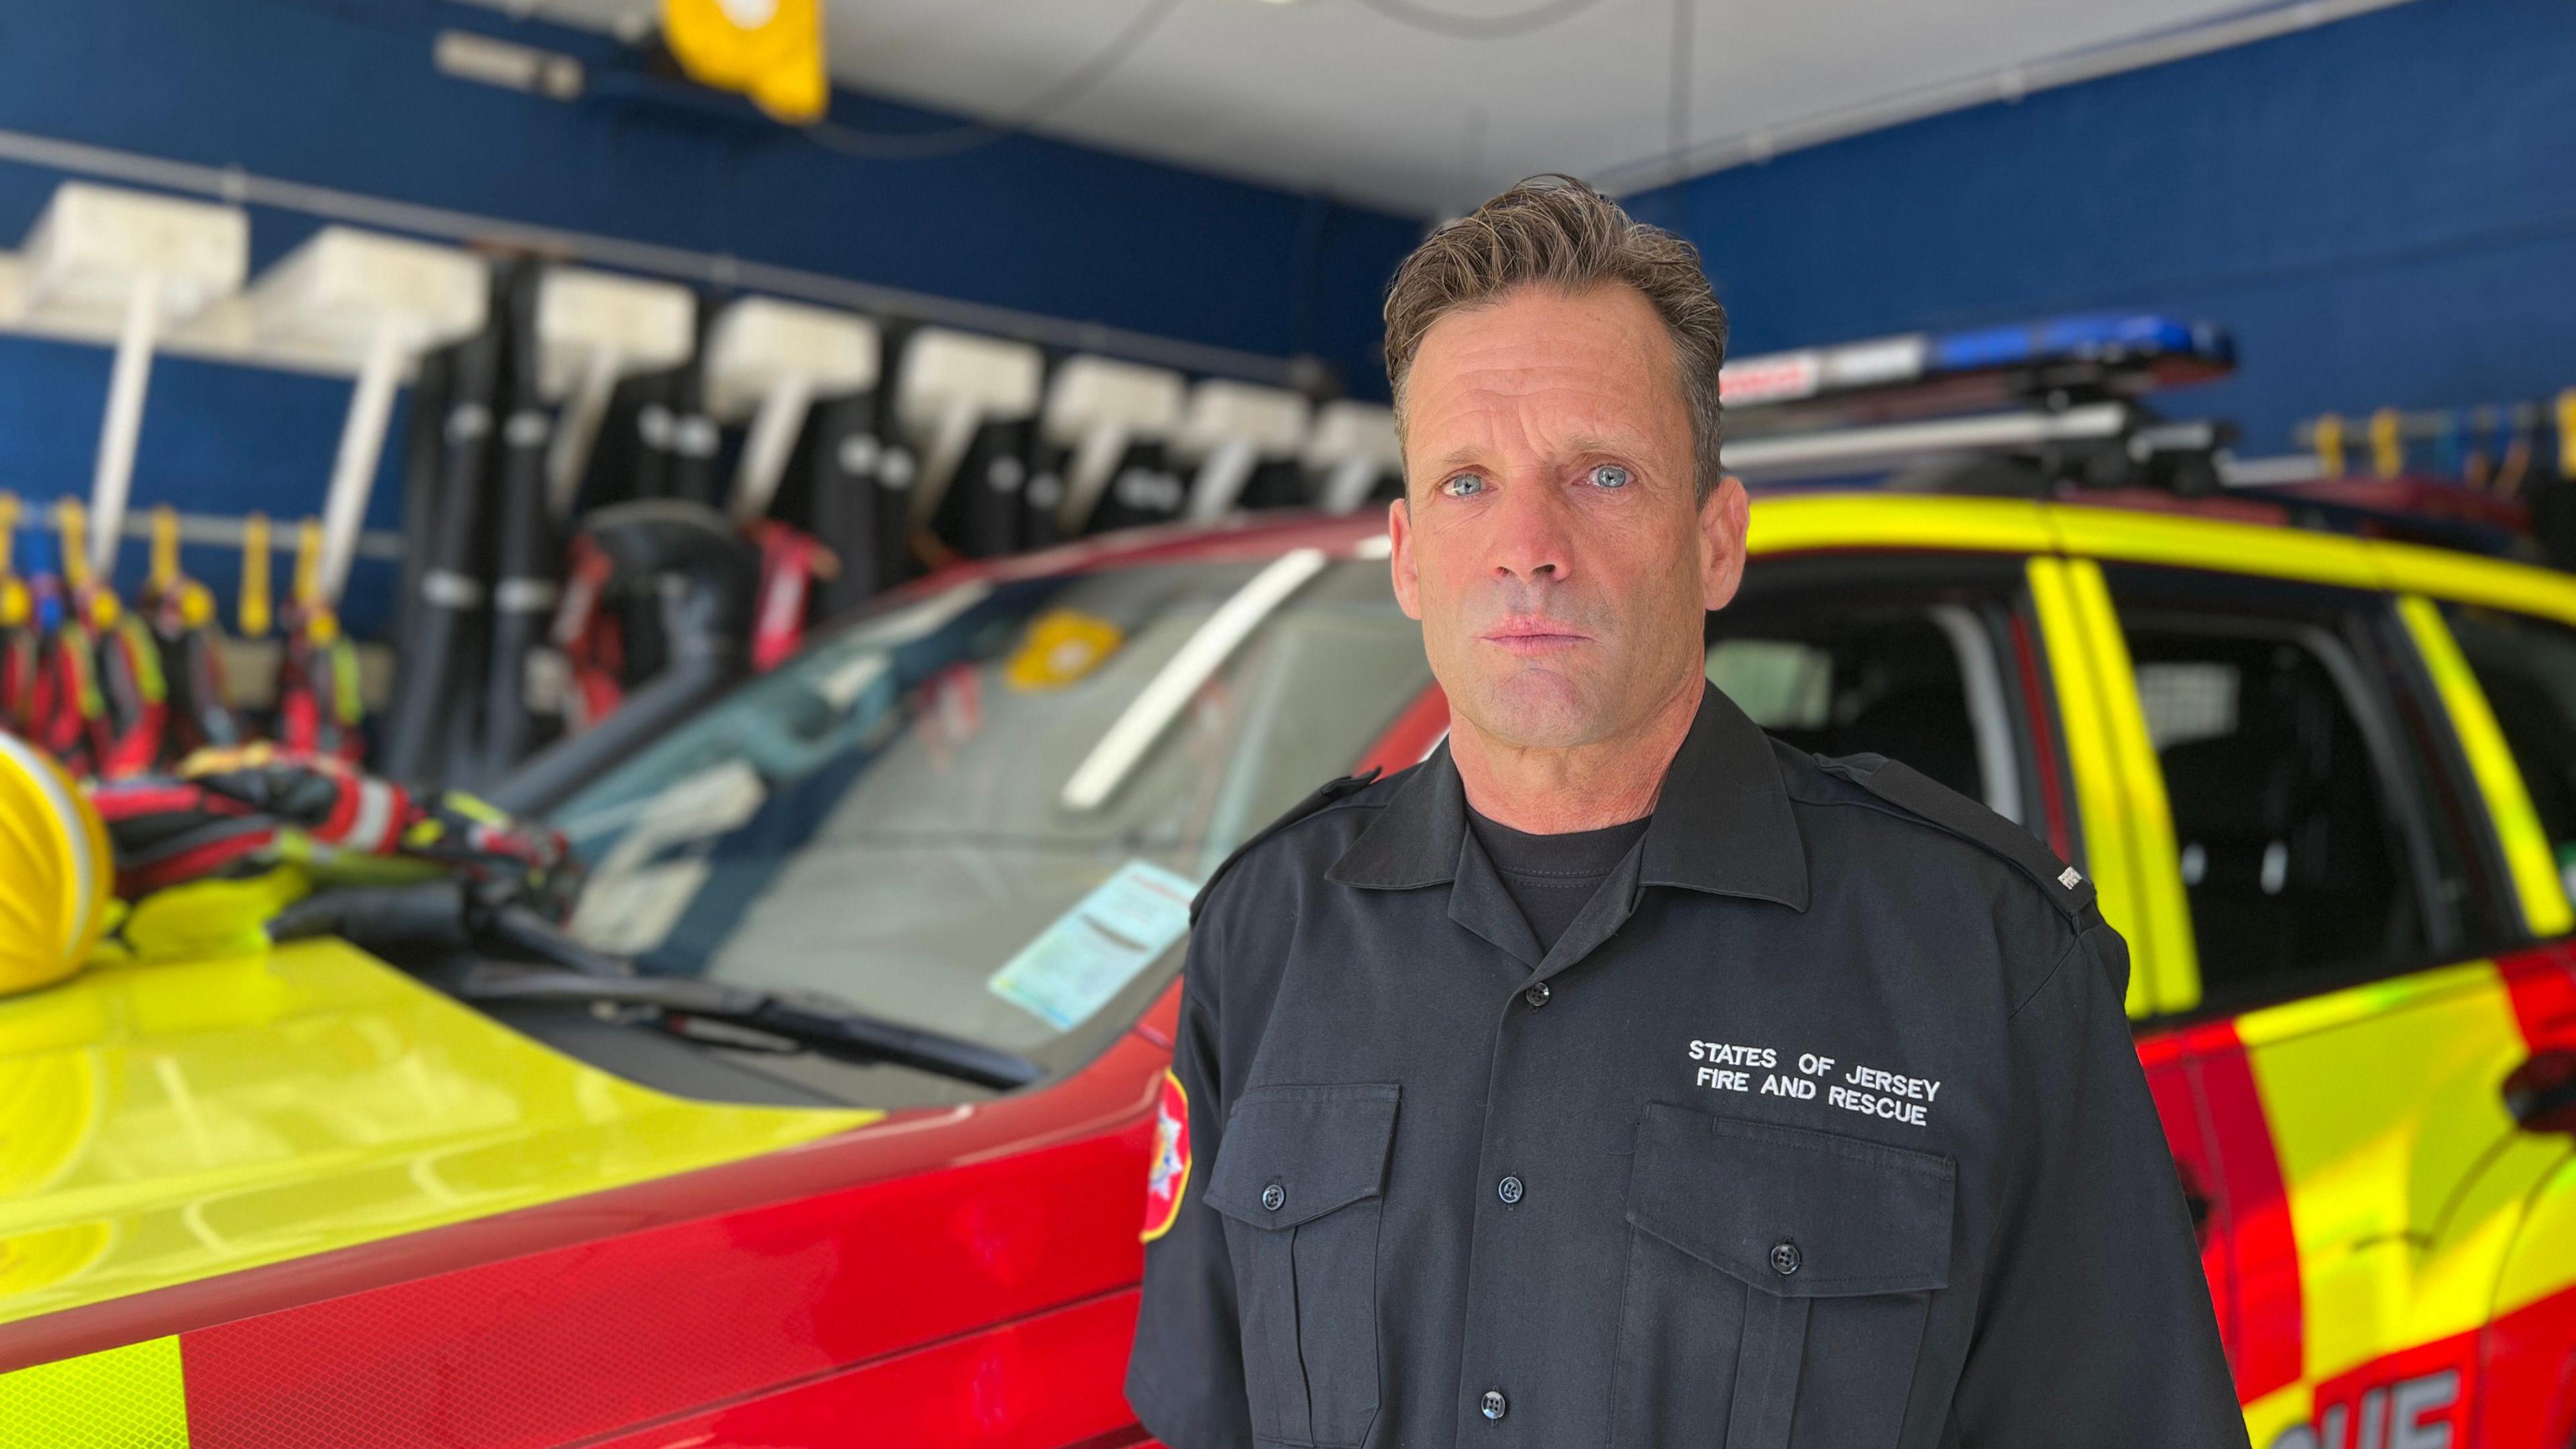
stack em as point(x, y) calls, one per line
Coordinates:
point(1532, 541)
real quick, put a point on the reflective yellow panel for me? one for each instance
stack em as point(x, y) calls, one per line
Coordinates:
point(2267, 1417)
point(2407, 1181)
point(2108, 853)
point(2140, 778)
point(2528, 857)
point(124, 1398)
point(2543, 1264)
point(1793, 522)
point(171, 1121)
point(2127, 535)
point(2469, 579)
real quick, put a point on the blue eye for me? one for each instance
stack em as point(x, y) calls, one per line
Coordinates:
point(1610, 475)
point(1463, 485)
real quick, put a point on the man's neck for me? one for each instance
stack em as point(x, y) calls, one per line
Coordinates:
point(1580, 787)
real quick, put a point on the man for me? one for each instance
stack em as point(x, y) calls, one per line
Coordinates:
point(1618, 1076)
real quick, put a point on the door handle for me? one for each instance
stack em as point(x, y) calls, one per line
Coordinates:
point(2541, 1093)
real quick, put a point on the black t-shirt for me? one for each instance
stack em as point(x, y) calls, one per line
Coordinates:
point(1553, 877)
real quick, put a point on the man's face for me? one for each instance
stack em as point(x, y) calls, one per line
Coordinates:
point(1548, 540)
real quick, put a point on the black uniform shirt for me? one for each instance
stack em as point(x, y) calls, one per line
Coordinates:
point(1820, 1127)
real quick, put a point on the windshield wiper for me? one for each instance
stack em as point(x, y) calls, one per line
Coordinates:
point(813, 1021)
point(437, 915)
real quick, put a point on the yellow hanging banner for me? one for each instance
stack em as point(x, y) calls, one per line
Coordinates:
point(770, 50)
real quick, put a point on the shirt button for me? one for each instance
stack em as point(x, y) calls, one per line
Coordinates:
point(1537, 994)
point(1495, 1404)
point(1509, 1190)
point(1784, 1258)
point(1273, 1195)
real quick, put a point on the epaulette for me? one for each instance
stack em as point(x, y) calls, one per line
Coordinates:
point(1910, 790)
point(1330, 791)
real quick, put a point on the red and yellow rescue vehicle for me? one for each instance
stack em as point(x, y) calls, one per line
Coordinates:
point(828, 1115)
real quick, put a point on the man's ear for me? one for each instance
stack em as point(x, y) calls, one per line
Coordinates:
point(1722, 521)
point(1399, 557)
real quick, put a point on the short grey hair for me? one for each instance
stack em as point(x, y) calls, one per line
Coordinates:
point(1556, 231)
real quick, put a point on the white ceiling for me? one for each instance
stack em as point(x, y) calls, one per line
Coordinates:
point(1338, 96)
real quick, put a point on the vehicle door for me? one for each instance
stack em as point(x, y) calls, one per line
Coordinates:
point(2321, 891)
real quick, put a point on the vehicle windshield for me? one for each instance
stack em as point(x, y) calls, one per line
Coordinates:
point(985, 812)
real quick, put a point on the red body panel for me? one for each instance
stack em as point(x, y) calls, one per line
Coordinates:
point(2542, 985)
point(2204, 1094)
point(2250, 1215)
point(2522, 1394)
point(880, 1255)
point(1035, 1384)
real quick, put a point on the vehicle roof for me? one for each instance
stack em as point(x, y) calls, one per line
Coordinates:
point(2229, 533)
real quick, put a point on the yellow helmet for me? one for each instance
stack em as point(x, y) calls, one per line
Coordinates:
point(56, 875)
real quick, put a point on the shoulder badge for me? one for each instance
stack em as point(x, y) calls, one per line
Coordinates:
point(1167, 1169)
point(1331, 791)
point(1917, 794)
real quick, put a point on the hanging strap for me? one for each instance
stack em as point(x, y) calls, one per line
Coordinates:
point(255, 613)
point(2387, 443)
point(164, 575)
point(2328, 439)
point(789, 561)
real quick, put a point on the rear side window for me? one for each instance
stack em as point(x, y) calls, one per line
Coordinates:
point(2527, 668)
point(2300, 828)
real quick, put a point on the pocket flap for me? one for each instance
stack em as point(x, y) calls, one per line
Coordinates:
point(1855, 1216)
point(1322, 1148)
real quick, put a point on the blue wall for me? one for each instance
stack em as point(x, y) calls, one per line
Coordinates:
point(2380, 209)
point(341, 93)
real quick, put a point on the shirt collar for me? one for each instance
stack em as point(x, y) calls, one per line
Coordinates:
point(1722, 822)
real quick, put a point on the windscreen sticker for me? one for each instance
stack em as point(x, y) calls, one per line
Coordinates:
point(1063, 647)
point(1091, 952)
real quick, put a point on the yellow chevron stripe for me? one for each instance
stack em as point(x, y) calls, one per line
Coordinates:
point(2470, 579)
point(2289, 1404)
point(2175, 955)
point(124, 1398)
point(1791, 523)
point(2109, 853)
point(2407, 1180)
point(2527, 855)
point(2128, 535)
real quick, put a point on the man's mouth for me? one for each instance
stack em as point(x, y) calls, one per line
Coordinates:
point(1534, 636)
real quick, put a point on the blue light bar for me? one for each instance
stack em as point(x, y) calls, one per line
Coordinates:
point(2133, 352)
point(2078, 339)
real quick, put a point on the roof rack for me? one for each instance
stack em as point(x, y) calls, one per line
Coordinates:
point(2054, 409)
point(2057, 397)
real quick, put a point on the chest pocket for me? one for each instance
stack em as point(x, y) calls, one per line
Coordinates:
point(1298, 1177)
point(1779, 1281)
